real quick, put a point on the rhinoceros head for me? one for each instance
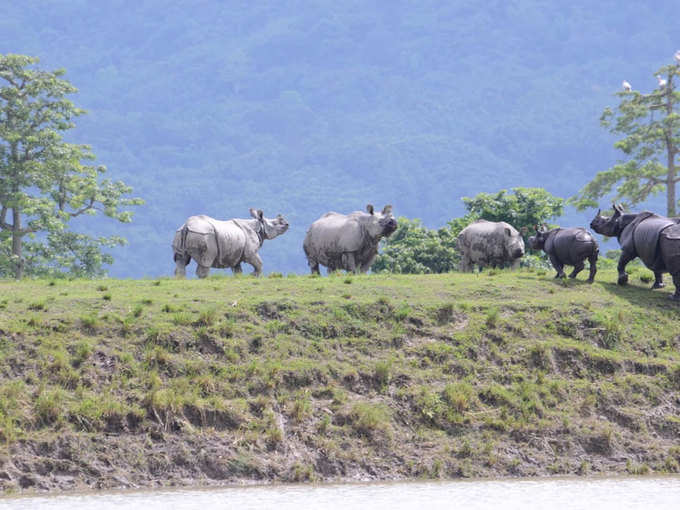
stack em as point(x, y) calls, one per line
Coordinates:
point(270, 227)
point(380, 224)
point(538, 241)
point(608, 226)
point(513, 242)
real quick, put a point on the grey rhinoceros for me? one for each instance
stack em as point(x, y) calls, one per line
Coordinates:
point(653, 238)
point(489, 243)
point(220, 244)
point(347, 241)
point(567, 247)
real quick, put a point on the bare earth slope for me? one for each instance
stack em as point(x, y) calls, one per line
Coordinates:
point(147, 383)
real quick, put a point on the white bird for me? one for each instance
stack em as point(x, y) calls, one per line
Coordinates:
point(626, 86)
point(677, 57)
point(662, 82)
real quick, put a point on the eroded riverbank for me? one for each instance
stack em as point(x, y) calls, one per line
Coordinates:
point(131, 384)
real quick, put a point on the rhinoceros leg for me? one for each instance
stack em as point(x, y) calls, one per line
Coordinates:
point(676, 282)
point(202, 271)
point(181, 265)
point(592, 260)
point(577, 269)
point(465, 264)
point(621, 267)
point(349, 263)
point(658, 280)
point(237, 269)
point(256, 262)
point(559, 267)
point(314, 267)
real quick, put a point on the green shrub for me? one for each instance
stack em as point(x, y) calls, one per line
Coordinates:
point(382, 372)
point(206, 317)
point(182, 318)
point(369, 419)
point(90, 321)
point(49, 406)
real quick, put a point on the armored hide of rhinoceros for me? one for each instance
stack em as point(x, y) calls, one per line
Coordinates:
point(567, 247)
point(653, 238)
point(489, 244)
point(221, 244)
point(347, 241)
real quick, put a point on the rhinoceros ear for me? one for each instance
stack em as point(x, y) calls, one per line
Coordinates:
point(507, 231)
point(387, 210)
point(369, 208)
point(256, 213)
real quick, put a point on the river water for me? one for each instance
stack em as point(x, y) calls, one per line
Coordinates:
point(563, 494)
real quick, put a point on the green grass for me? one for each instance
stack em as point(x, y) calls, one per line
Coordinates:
point(447, 364)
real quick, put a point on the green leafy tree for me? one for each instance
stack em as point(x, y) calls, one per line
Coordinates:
point(413, 248)
point(46, 181)
point(523, 208)
point(650, 125)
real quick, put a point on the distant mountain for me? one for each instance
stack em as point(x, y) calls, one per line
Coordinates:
point(300, 107)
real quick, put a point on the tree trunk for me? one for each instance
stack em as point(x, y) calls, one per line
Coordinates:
point(670, 185)
point(670, 151)
point(17, 238)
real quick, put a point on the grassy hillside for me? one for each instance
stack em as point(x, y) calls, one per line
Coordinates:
point(147, 383)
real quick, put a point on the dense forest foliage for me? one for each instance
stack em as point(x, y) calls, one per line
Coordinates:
point(300, 107)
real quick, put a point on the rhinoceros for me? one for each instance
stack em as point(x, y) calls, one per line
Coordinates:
point(567, 247)
point(653, 238)
point(220, 244)
point(489, 243)
point(347, 241)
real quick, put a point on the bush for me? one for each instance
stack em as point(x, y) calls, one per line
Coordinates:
point(415, 249)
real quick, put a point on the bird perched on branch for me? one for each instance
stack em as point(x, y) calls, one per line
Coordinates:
point(662, 82)
point(626, 86)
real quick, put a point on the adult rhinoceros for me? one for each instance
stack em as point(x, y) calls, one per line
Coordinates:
point(220, 244)
point(653, 238)
point(489, 243)
point(347, 241)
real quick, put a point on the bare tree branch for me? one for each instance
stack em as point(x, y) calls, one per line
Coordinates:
point(80, 211)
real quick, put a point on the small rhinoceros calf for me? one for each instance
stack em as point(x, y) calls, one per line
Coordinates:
point(489, 243)
point(567, 247)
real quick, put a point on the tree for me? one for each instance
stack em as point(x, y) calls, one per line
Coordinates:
point(650, 125)
point(413, 248)
point(523, 208)
point(44, 180)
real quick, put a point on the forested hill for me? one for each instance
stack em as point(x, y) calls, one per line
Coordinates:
point(299, 107)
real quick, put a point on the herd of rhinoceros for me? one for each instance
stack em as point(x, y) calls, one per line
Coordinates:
point(350, 242)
